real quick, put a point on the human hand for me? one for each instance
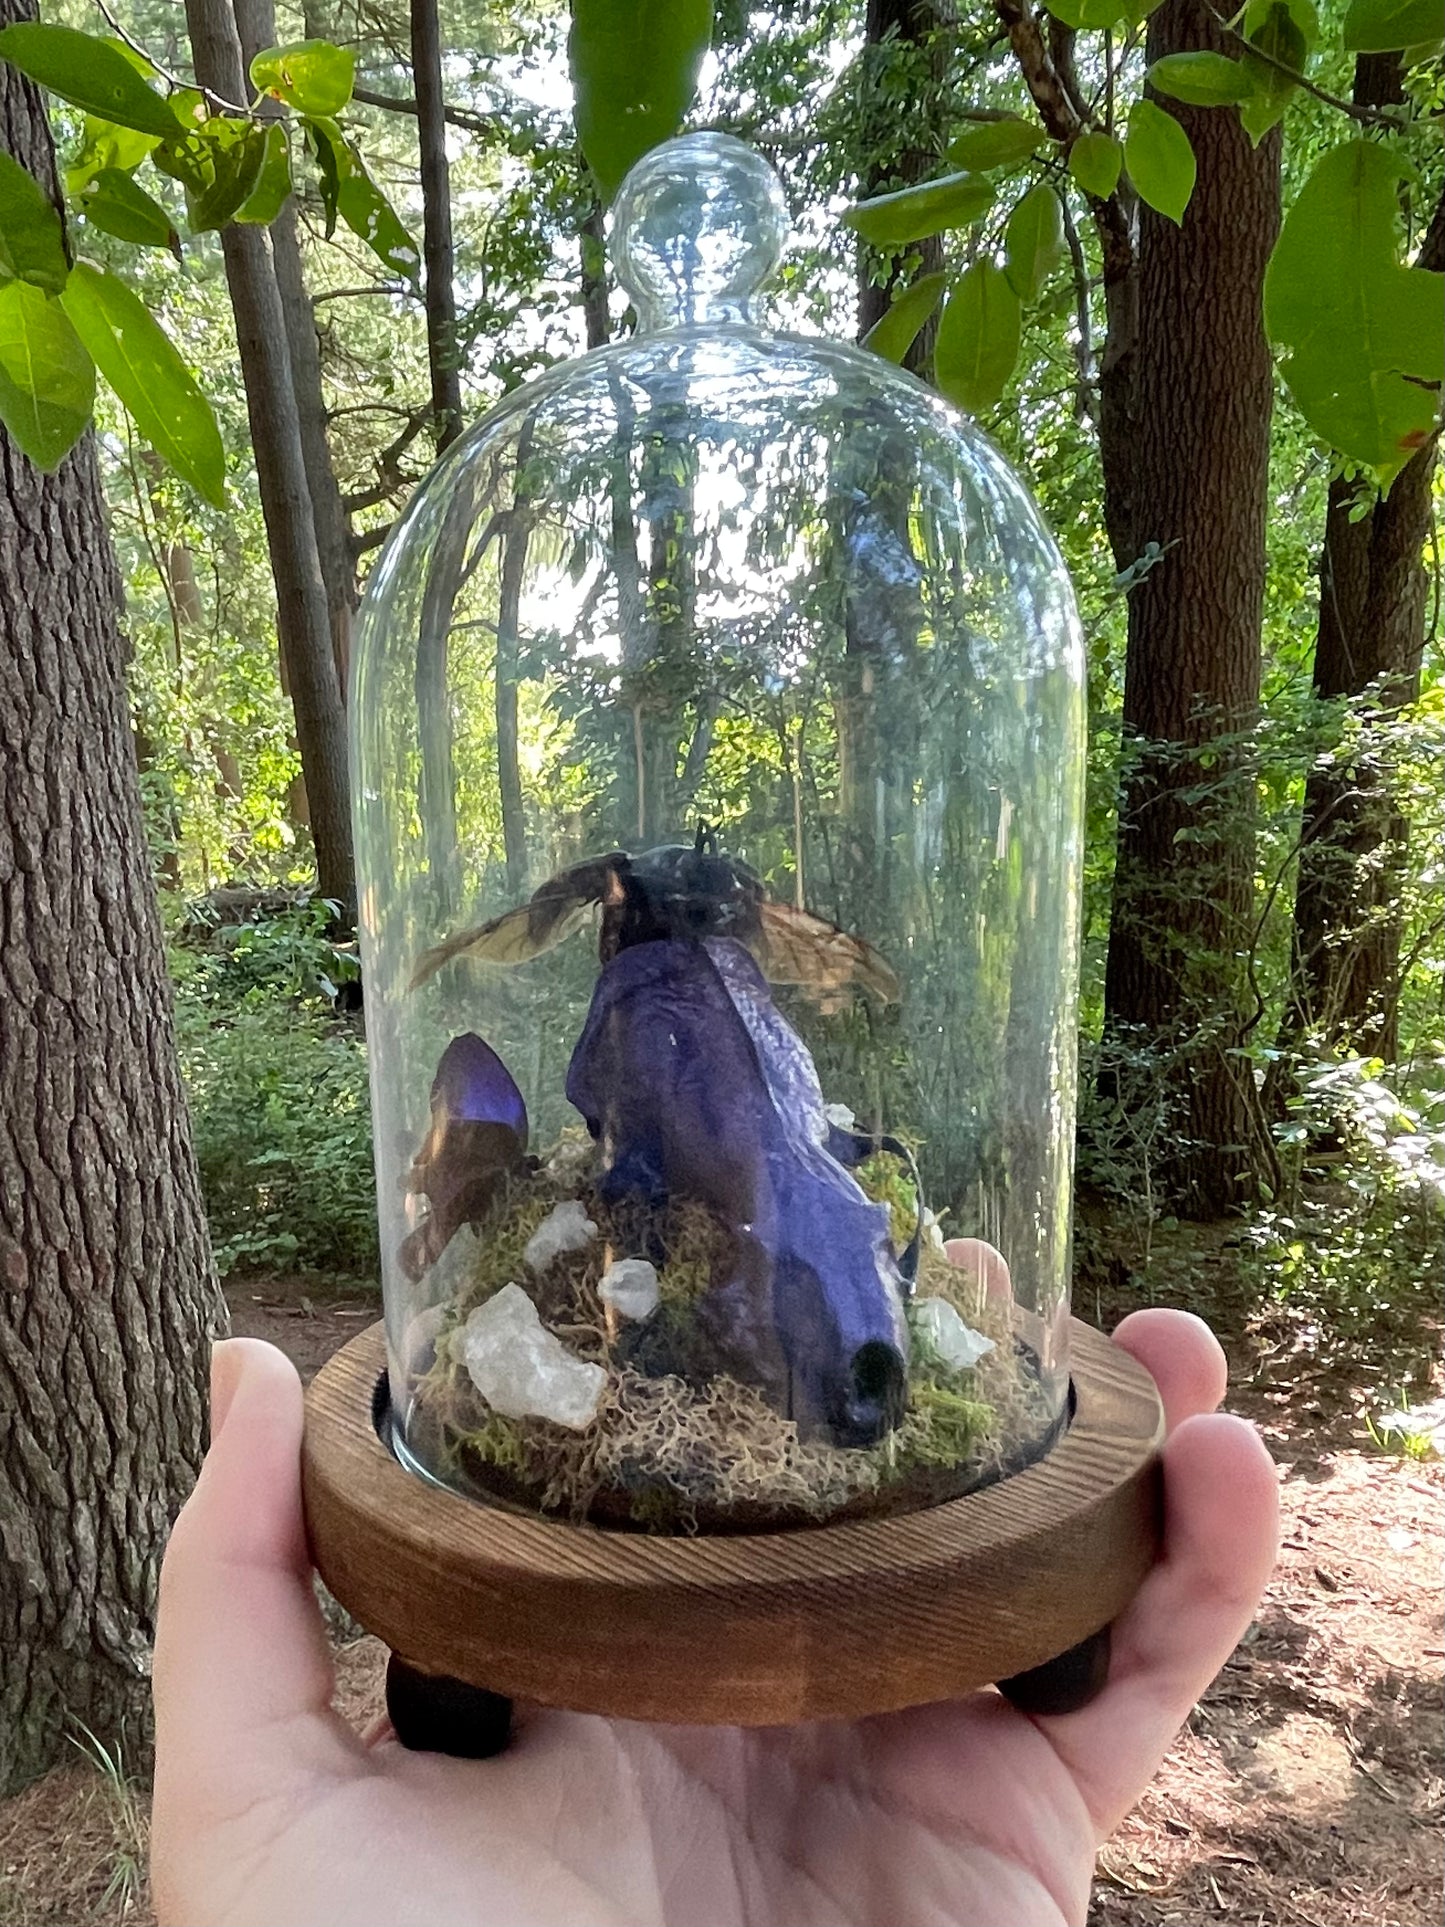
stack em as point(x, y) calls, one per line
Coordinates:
point(269, 1810)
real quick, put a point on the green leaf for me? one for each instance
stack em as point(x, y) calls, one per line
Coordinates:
point(188, 160)
point(191, 109)
point(1201, 79)
point(1160, 160)
point(348, 190)
point(895, 332)
point(890, 221)
point(978, 339)
point(1095, 162)
point(1285, 30)
point(133, 352)
point(47, 380)
point(372, 218)
point(310, 75)
point(995, 143)
point(103, 145)
point(32, 242)
point(1361, 330)
point(87, 72)
point(1034, 241)
point(273, 183)
point(1098, 14)
point(1388, 26)
point(111, 201)
point(133, 56)
point(1095, 14)
point(634, 72)
point(326, 144)
point(232, 154)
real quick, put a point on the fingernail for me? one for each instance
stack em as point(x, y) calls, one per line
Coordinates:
point(228, 1362)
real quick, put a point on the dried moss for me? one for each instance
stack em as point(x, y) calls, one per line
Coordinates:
point(677, 1445)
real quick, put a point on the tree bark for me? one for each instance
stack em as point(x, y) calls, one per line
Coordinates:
point(256, 24)
point(1345, 946)
point(442, 346)
point(592, 250)
point(107, 1298)
point(1199, 412)
point(913, 24)
point(303, 617)
point(516, 535)
point(1046, 62)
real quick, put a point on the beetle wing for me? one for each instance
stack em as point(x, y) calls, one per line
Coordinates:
point(796, 947)
point(561, 906)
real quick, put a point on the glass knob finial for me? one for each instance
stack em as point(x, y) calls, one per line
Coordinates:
point(698, 226)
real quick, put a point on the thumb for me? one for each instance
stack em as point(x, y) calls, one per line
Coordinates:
point(241, 1651)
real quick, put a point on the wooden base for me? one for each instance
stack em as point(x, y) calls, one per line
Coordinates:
point(825, 1622)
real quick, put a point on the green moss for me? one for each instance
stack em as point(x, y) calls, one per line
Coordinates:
point(677, 1440)
point(657, 1508)
point(943, 1426)
point(498, 1442)
point(887, 1180)
point(694, 1242)
point(503, 1239)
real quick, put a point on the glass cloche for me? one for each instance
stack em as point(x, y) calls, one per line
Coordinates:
point(718, 725)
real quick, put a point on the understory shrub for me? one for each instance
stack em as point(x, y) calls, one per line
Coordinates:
point(278, 1094)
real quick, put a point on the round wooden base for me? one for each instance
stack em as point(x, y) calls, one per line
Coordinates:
point(825, 1622)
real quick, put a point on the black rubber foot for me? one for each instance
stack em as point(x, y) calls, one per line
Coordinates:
point(434, 1714)
point(1064, 1684)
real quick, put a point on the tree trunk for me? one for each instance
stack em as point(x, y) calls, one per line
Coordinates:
point(888, 25)
point(442, 346)
point(303, 618)
point(1044, 50)
point(1201, 394)
point(107, 1298)
point(256, 24)
point(516, 535)
point(332, 523)
point(1345, 946)
point(592, 249)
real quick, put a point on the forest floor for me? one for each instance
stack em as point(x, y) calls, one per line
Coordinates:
point(1306, 1790)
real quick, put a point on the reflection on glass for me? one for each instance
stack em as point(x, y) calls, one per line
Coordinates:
point(718, 745)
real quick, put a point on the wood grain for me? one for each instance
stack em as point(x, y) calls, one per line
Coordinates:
point(828, 1622)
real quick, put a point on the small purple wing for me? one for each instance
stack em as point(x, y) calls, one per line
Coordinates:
point(474, 1086)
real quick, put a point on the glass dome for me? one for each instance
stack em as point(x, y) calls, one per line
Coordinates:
point(718, 744)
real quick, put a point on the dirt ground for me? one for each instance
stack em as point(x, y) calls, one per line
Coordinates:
point(1307, 1789)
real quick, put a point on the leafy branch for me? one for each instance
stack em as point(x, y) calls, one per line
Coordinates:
point(64, 321)
point(1360, 331)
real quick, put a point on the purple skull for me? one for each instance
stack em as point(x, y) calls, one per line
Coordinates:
point(697, 1087)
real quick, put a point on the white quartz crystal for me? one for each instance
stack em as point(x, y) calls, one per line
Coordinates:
point(419, 1345)
point(523, 1370)
point(566, 1227)
point(630, 1287)
point(840, 1115)
point(944, 1332)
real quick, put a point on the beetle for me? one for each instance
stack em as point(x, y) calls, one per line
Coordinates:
point(683, 892)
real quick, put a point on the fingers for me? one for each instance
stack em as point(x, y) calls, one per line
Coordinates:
point(1220, 1536)
point(984, 1264)
point(240, 1646)
point(1182, 1355)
